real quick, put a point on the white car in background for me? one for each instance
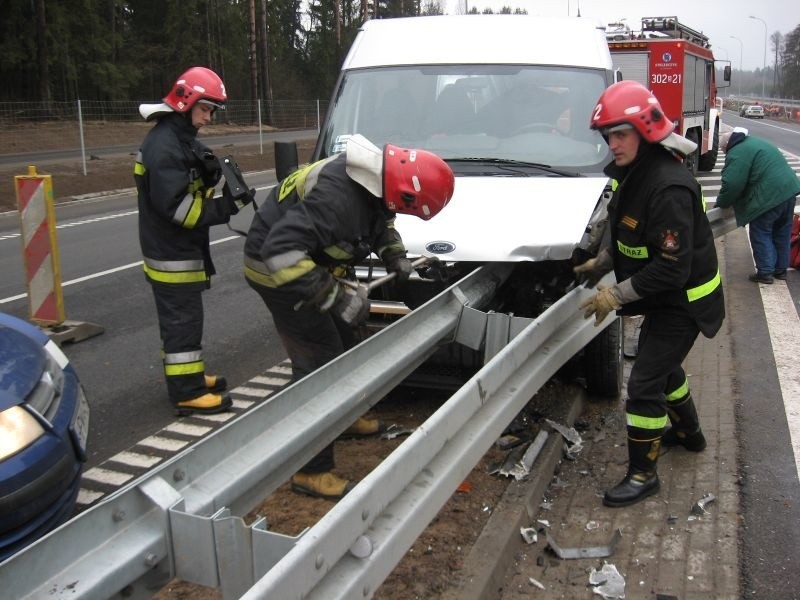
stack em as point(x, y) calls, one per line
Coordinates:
point(752, 111)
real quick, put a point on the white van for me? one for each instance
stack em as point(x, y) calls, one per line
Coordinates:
point(506, 101)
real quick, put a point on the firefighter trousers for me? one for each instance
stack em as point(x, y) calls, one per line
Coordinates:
point(180, 324)
point(311, 339)
point(665, 340)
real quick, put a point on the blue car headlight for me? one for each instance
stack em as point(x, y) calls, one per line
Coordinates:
point(18, 430)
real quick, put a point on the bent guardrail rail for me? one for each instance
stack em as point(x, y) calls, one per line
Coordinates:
point(182, 519)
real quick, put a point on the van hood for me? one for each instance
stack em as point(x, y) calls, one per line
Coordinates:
point(506, 219)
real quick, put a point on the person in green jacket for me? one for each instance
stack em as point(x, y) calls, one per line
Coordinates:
point(762, 189)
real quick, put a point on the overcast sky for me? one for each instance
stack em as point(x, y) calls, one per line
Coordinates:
point(718, 19)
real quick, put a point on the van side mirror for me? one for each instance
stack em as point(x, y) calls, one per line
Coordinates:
point(286, 161)
point(618, 76)
point(726, 73)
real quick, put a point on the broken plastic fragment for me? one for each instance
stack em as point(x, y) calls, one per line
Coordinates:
point(699, 507)
point(607, 582)
point(532, 581)
point(528, 534)
point(394, 431)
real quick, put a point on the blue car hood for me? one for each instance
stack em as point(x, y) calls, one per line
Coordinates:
point(22, 361)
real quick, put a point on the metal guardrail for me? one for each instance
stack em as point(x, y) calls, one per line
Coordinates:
point(182, 518)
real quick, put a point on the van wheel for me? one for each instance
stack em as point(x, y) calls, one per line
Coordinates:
point(692, 160)
point(603, 362)
point(709, 160)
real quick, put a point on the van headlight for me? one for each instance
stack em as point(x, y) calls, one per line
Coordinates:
point(18, 430)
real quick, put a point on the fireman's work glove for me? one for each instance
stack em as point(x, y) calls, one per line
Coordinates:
point(606, 300)
point(348, 304)
point(401, 267)
point(593, 270)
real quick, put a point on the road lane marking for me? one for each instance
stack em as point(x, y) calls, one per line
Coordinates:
point(105, 478)
point(784, 333)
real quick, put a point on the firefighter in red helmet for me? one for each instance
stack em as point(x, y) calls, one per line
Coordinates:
point(175, 178)
point(319, 221)
point(660, 246)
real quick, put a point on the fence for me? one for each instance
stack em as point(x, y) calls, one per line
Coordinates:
point(40, 126)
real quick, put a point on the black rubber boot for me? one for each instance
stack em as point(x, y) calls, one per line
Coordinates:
point(641, 480)
point(685, 430)
point(216, 383)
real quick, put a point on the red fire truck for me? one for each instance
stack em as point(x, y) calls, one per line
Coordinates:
point(676, 63)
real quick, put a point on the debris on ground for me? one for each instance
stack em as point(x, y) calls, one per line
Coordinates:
point(699, 508)
point(587, 552)
point(607, 582)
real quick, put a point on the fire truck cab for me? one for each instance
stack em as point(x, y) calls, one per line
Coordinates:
point(676, 63)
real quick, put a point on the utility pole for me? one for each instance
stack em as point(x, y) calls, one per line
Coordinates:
point(764, 67)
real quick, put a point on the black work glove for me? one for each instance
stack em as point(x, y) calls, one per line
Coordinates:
point(401, 267)
point(211, 171)
point(349, 305)
point(593, 270)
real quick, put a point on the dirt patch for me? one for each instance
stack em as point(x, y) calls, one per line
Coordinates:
point(109, 172)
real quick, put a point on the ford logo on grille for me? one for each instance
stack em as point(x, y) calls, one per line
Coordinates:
point(440, 247)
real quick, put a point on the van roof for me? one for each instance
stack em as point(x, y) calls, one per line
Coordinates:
point(480, 39)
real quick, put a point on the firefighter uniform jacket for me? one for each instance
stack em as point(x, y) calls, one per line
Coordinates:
point(316, 220)
point(662, 240)
point(175, 177)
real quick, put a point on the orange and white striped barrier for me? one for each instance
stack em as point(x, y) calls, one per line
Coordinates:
point(40, 247)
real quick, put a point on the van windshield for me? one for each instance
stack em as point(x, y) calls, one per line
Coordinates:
point(535, 114)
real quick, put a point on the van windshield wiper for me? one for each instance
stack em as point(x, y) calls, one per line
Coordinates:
point(515, 166)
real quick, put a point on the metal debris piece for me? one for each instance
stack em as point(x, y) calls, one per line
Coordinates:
point(543, 522)
point(699, 507)
point(571, 434)
point(528, 534)
point(607, 582)
point(546, 505)
point(518, 466)
point(573, 441)
point(532, 581)
point(394, 431)
point(588, 552)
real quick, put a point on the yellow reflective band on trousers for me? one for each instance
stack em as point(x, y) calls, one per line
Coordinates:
point(183, 363)
point(705, 289)
point(646, 422)
point(279, 278)
point(679, 393)
point(174, 277)
point(632, 251)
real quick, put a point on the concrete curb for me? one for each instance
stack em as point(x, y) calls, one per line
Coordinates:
point(484, 568)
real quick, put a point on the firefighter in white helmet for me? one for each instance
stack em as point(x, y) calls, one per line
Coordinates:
point(319, 221)
point(661, 248)
point(175, 177)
